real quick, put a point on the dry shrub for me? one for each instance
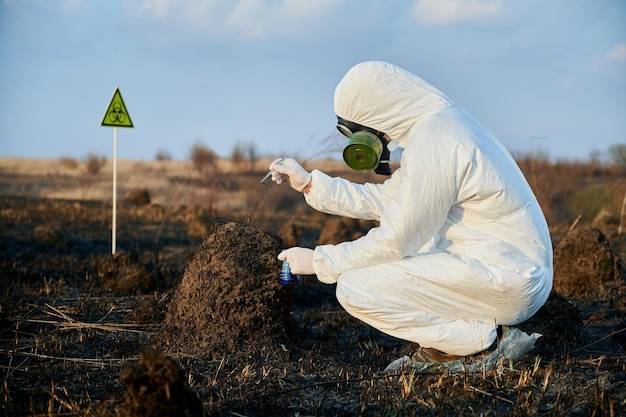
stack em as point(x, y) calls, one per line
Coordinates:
point(163, 155)
point(203, 158)
point(590, 201)
point(94, 164)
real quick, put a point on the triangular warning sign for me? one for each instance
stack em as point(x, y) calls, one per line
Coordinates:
point(116, 114)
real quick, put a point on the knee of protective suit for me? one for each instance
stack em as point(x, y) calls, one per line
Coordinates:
point(361, 292)
point(349, 294)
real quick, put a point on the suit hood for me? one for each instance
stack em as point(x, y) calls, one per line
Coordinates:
point(387, 98)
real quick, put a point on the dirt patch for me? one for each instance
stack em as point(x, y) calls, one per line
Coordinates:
point(229, 295)
point(584, 264)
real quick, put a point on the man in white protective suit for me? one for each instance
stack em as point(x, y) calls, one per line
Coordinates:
point(462, 246)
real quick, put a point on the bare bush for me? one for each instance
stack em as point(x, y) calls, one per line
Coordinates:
point(589, 201)
point(94, 163)
point(68, 162)
point(237, 156)
point(252, 155)
point(205, 161)
point(617, 153)
point(241, 152)
point(202, 157)
point(163, 155)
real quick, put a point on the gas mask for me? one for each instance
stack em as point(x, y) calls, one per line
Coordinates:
point(366, 149)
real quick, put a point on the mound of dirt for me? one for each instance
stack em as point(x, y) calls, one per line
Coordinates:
point(154, 387)
point(584, 264)
point(229, 295)
point(340, 229)
point(137, 197)
point(123, 272)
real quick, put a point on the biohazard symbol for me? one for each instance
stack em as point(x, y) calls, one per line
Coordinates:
point(116, 114)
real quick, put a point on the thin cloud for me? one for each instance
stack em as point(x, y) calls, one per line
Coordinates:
point(72, 6)
point(450, 12)
point(248, 19)
point(261, 18)
point(184, 11)
point(618, 53)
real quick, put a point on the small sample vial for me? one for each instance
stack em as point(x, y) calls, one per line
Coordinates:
point(286, 277)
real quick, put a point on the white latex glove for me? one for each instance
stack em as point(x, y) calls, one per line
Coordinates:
point(290, 170)
point(300, 260)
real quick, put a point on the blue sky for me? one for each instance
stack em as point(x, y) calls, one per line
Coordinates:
point(545, 76)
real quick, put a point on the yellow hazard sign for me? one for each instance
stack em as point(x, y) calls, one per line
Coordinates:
point(116, 114)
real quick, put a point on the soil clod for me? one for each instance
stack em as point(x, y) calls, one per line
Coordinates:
point(155, 386)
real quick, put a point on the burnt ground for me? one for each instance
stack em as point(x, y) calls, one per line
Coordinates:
point(183, 324)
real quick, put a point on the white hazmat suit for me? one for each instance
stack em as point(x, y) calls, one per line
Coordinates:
point(462, 245)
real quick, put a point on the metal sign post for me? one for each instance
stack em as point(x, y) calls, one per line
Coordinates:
point(115, 116)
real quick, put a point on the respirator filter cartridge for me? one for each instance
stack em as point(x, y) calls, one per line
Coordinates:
point(363, 151)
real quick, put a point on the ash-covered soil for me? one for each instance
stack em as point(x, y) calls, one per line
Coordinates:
point(187, 324)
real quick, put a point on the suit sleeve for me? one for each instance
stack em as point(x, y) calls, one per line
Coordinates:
point(344, 198)
point(415, 209)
